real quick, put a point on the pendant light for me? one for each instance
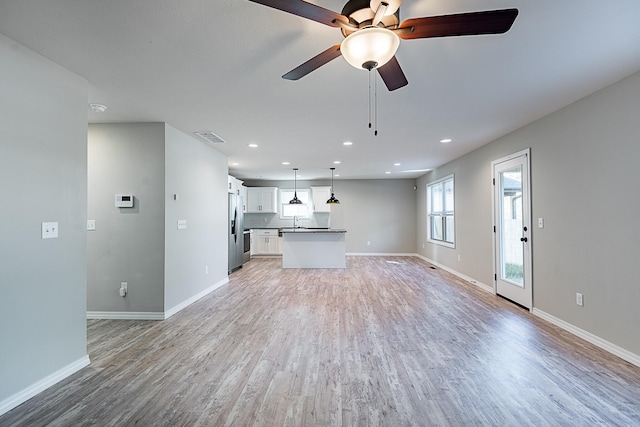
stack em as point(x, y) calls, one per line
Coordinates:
point(295, 200)
point(332, 200)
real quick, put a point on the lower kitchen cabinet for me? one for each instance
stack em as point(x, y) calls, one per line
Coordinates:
point(265, 242)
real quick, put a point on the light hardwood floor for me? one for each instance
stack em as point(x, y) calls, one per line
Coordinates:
point(389, 341)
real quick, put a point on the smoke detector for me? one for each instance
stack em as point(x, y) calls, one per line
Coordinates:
point(98, 108)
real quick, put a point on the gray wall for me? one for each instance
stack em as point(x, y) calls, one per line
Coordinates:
point(128, 243)
point(43, 134)
point(382, 212)
point(163, 266)
point(198, 175)
point(584, 169)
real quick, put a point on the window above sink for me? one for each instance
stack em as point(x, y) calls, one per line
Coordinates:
point(301, 211)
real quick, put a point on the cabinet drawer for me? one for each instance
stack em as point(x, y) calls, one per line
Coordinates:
point(266, 232)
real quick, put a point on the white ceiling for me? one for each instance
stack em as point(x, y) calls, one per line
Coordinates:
point(216, 66)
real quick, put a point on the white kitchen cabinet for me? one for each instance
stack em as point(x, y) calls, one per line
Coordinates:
point(234, 185)
point(231, 181)
point(265, 242)
point(243, 194)
point(262, 200)
point(320, 195)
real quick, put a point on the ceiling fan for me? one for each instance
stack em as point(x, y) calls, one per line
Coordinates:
point(372, 30)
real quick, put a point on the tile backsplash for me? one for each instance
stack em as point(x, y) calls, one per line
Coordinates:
point(271, 220)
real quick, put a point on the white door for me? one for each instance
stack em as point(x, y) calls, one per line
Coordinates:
point(512, 228)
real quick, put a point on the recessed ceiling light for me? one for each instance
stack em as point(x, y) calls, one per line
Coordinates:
point(387, 173)
point(234, 164)
point(396, 164)
point(347, 143)
point(253, 145)
point(98, 108)
point(286, 163)
point(337, 175)
point(337, 162)
point(446, 140)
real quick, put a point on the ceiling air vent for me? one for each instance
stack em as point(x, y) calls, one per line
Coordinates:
point(210, 137)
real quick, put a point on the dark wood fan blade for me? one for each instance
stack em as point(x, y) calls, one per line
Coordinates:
point(392, 75)
point(463, 24)
point(316, 62)
point(305, 10)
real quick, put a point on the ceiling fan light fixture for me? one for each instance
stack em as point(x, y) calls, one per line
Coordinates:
point(370, 47)
point(391, 6)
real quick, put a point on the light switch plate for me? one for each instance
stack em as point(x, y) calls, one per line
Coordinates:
point(91, 224)
point(49, 230)
point(182, 224)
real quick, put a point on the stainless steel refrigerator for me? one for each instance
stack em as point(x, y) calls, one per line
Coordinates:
point(236, 229)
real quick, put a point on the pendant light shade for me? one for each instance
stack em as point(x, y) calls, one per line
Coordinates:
point(332, 200)
point(370, 47)
point(295, 200)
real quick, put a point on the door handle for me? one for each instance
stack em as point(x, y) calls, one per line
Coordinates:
point(523, 239)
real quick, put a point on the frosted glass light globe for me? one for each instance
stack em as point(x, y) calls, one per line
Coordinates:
point(370, 47)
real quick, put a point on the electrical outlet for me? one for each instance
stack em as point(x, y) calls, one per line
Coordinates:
point(368, 242)
point(206, 269)
point(579, 299)
point(91, 224)
point(459, 257)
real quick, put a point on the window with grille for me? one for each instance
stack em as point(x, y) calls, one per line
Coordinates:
point(440, 212)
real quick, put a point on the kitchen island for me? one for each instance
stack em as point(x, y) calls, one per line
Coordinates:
point(313, 248)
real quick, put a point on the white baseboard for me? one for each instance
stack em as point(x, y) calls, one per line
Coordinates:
point(151, 315)
point(26, 394)
point(483, 286)
point(587, 336)
point(379, 254)
point(125, 315)
point(173, 310)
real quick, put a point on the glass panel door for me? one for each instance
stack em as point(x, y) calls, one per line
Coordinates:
point(511, 226)
point(512, 220)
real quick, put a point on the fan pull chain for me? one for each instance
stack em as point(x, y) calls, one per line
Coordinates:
point(369, 98)
point(373, 102)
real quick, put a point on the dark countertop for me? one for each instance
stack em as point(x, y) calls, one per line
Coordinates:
point(311, 230)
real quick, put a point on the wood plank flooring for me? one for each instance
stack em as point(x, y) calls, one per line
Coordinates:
point(389, 341)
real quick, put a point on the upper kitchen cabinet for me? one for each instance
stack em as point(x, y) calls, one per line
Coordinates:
point(243, 194)
point(262, 200)
point(320, 195)
point(234, 185)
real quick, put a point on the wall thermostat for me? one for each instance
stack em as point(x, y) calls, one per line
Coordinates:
point(124, 200)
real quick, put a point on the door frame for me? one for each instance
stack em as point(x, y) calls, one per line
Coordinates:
point(527, 220)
